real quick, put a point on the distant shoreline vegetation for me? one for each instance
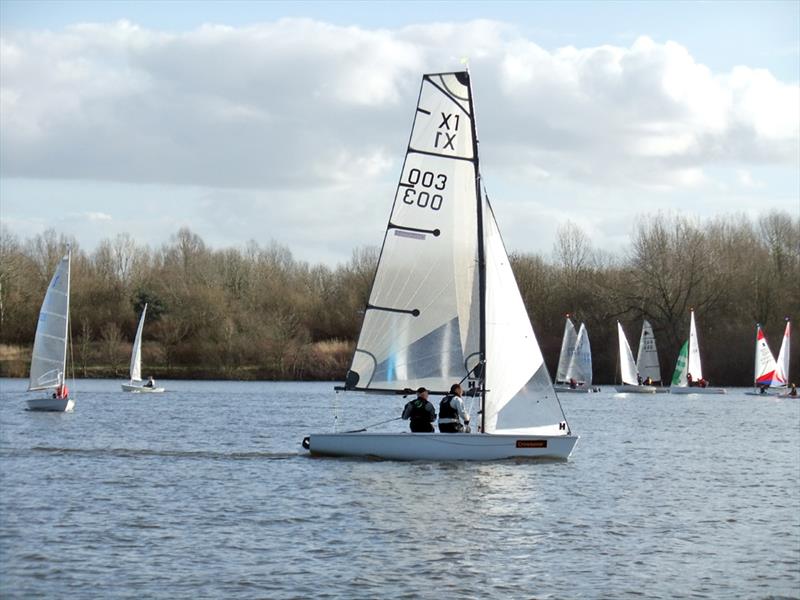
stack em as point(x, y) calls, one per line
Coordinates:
point(255, 312)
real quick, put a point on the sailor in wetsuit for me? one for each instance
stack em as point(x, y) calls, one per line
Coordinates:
point(420, 413)
point(453, 418)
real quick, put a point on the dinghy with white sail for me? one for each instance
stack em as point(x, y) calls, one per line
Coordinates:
point(690, 380)
point(445, 307)
point(628, 372)
point(579, 370)
point(49, 359)
point(565, 356)
point(782, 364)
point(647, 359)
point(136, 384)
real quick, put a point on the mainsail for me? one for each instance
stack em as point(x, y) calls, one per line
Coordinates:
point(626, 365)
point(647, 357)
point(136, 354)
point(679, 377)
point(694, 367)
point(580, 365)
point(567, 350)
point(782, 364)
point(49, 359)
point(421, 325)
point(764, 372)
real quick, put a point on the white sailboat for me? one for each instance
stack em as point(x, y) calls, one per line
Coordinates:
point(691, 380)
point(136, 384)
point(578, 377)
point(647, 358)
point(781, 378)
point(628, 371)
point(567, 350)
point(445, 307)
point(49, 359)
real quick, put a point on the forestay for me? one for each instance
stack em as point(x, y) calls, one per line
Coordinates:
point(567, 350)
point(626, 364)
point(50, 344)
point(421, 325)
point(136, 354)
point(647, 356)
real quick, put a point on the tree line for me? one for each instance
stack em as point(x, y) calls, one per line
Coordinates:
point(255, 312)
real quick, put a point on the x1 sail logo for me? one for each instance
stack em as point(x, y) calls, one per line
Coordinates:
point(444, 140)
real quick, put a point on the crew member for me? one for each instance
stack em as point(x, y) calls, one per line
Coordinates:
point(453, 418)
point(420, 413)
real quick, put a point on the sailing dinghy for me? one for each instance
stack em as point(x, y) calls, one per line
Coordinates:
point(647, 359)
point(136, 384)
point(770, 376)
point(49, 359)
point(688, 378)
point(629, 373)
point(578, 377)
point(445, 307)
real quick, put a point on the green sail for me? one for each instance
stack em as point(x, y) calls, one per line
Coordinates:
point(679, 377)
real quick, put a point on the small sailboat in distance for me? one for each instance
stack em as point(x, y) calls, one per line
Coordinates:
point(49, 359)
point(782, 364)
point(445, 307)
point(647, 359)
point(629, 374)
point(136, 384)
point(689, 380)
point(579, 369)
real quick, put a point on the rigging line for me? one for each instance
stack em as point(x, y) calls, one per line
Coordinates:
point(373, 425)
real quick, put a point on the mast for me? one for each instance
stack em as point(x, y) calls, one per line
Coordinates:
point(481, 255)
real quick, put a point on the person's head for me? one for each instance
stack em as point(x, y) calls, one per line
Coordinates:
point(422, 393)
point(456, 389)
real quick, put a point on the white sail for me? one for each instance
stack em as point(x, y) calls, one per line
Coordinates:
point(580, 365)
point(136, 353)
point(647, 356)
point(626, 365)
point(567, 349)
point(694, 368)
point(520, 398)
point(48, 363)
point(764, 372)
point(782, 364)
point(421, 326)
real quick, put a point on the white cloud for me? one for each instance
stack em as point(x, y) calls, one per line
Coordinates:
point(309, 121)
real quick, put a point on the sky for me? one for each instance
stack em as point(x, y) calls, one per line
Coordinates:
point(288, 122)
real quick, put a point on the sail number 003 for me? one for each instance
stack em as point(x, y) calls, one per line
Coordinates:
point(426, 179)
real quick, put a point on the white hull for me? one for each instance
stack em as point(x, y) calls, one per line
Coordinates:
point(51, 404)
point(661, 389)
point(635, 389)
point(140, 389)
point(440, 446)
point(770, 392)
point(697, 390)
point(576, 390)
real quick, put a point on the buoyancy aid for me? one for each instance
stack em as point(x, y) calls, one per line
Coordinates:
point(446, 410)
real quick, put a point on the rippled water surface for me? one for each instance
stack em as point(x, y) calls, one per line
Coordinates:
point(205, 492)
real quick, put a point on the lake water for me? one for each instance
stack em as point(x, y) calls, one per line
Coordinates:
point(205, 492)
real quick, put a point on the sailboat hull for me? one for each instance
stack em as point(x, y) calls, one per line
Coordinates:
point(635, 389)
point(440, 446)
point(140, 389)
point(581, 389)
point(51, 404)
point(696, 390)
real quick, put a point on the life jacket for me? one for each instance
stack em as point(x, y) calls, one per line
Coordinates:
point(418, 411)
point(446, 410)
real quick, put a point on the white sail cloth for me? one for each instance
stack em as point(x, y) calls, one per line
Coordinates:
point(626, 364)
point(647, 357)
point(50, 344)
point(136, 353)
